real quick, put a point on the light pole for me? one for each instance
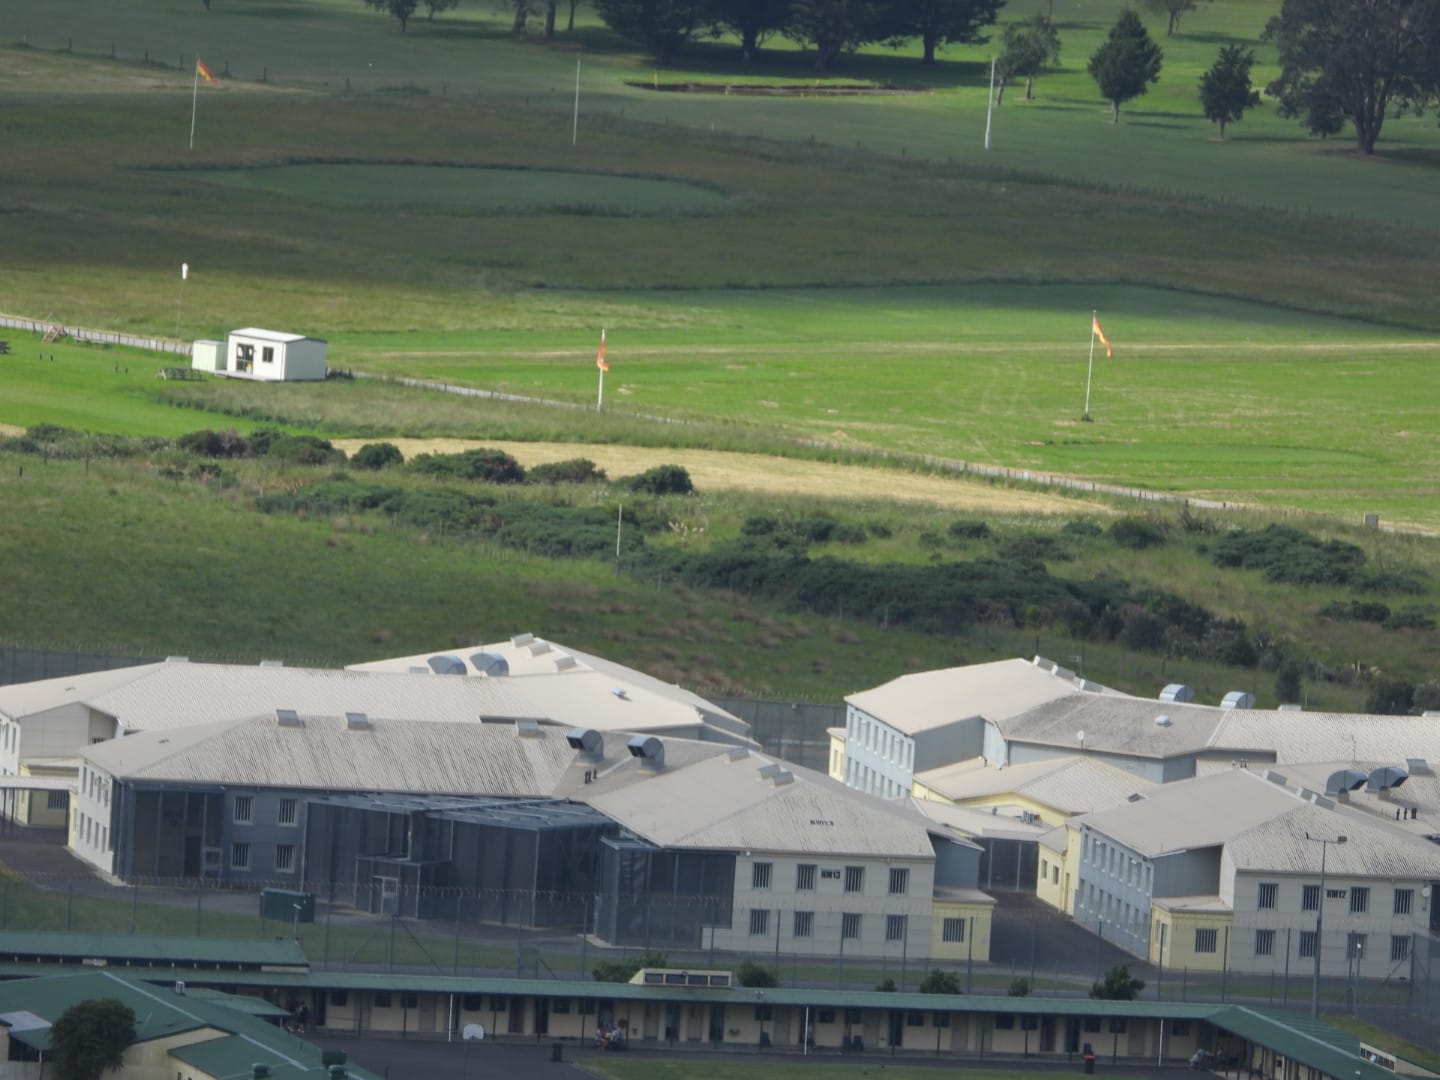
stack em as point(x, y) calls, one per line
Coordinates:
point(1320, 919)
point(295, 923)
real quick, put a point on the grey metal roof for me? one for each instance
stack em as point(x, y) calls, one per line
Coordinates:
point(986, 823)
point(512, 813)
point(1373, 848)
point(321, 753)
point(1070, 785)
point(1115, 723)
point(731, 802)
point(23, 699)
point(1320, 736)
point(997, 690)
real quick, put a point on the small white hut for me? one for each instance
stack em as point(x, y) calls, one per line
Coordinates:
point(274, 356)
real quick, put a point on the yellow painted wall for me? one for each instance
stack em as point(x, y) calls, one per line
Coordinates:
point(1050, 882)
point(979, 948)
point(1179, 939)
point(837, 755)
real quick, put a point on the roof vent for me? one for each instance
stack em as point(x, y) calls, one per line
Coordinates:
point(770, 770)
point(1134, 796)
point(1385, 778)
point(1178, 692)
point(1162, 721)
point(589, 742)
point(179, 986)
point(272, 663)
point(445, 664)
point(1043, 664)
point(649, 750)
point(538, 648)
point(527, 729)
point(1063, 673)
point(1292, 706)
point(521, 640)
point(783, 777)
point(1344, 780)
point(287, 718)
point(1082, 683)
point(357, 721)
point(1238, 699)
point(739, 753)
point(619, 691)
point(177, 659)
point(1274, 777)
point(259, 1071)
point(414, 670)
point(1322, 802)
point(1418, 766)
point(564, 663)
point(489, 663)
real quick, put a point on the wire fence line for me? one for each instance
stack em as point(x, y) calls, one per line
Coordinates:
point(47, 327)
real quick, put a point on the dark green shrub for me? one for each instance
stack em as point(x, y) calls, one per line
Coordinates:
point(759, 525)
point(940, 982)
point(377, 456)
point(1037, 546)
point(305, 450)
point(1356, 611)
point(879, 530)
point(48, 433)
point(1290, 556)
point(485, 465)
point(749, 973)
point(817, 530)
point(1287, 682)
point(215, 444)
point(1390, 697)
point(1083, 528)
point(619, 971)
point(886, 986)
point(661, 480)
point(1408, 581)
point(1410, 619)
point(574, 471)
point(263, 438)
point(1118, 985)
point(1136, 533)
point(849, 534)
point(968, 529)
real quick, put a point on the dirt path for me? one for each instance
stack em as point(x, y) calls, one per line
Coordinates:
point(718, 470)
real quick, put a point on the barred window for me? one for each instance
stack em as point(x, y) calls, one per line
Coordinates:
point(850, 925)
point(895, 926)
point(244, 809)
point(760, 875)
point(1359, 900)
point(759, 920)
point(899, 880)
point(1307, 944)
point(1310, 898)
point(854, 879)
point(284, 857)
point(1404, 901)
point(1269, 893)
point(952, 931)
point(1205, 940)
point(804, 924)
point(57, 800)
point(805, 877)
point(240, 855)
point(1399, 948)
point(1264, 942)
point(286, 813)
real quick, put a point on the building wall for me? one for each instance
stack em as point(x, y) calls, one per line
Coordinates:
point(304, 360)
point(777, 894)
point(1050, 881)
point(948, 743)
point(1189, 940)
point(1113, 891)
point(974, 924)
point(91, 836)
point(879, 760)
point(837, 755)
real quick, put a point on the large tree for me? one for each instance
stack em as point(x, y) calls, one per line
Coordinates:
point(1025, 48)
point(90, 1037)
point(941, 22)
point(1126, 64)
point(1355, 59)
point(1225, 90)
point(751, 21)
point(661, 27)
point(1173, 10)
point(398, 9)
point(834, 26)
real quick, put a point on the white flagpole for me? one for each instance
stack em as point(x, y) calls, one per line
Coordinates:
point(990, 105)
point(619, 520)
point(184, 273)
point(575, 130)
point(194, 102)
point(1090, 369)
point(600, 401)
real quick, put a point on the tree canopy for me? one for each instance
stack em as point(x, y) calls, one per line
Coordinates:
point(1225, 90)
point(661, 27)
point(942, 22)
point(939, 981)
point(1127, 63)
point(751, 21)
point(397, 9)
point(90, 1037)
point(1173, 10)
point(1342, 60)
point(835, 26)
point(1118, 985)
point(1026, 47)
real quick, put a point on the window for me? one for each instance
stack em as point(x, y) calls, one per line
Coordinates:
point(471, 1002)
point(760, 875)
point(759, 920)
point(854, 879)
point(382, 999)
point(764, 1012)
point(1269, 893)
point(285, 815)
point(1264, 942)
point(1091, 1024)
point(1029, 1022)
point(1310, 898)
point(1055, 874)
point(804, 924)
point(499, 1003)
point(1399, 948)
point(805, 877)
point(240, 855)
point(1404, 901)
point(1044, 869)
point(244, 809)
point(850, 925)
point(1359, 900)
point(560, 1006)
point(267, 354)
point(285, 857)
point(1307, 944)
point(340, 998)
point(825, 1016)
point(952, 930)
point(914, 1019)
point(940, 1020)
point(1355, 946)
point(895, 926)
point(1180, 1029)
point(1117, 1025)
point(1004, 1021)
point(409, 999)
point(899, 880)
point(1205, 940)
point(57, 800)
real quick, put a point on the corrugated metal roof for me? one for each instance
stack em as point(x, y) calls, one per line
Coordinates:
point(930, 699)
point(321, 753)
point(23, 699)
point(1070, 785)
point(727, 804)
point(1318, 736)
point(989, 823)
point(121, 947)
point(1373, 848)
point(1115, 723)
point(1204, 812)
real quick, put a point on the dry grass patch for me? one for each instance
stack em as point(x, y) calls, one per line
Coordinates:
point(718, 470)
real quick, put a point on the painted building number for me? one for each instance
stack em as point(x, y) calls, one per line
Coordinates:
point(830, 874)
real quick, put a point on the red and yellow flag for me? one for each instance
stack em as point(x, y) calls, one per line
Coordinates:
point(1095, 326)
point(203, 71)
point(600, 356)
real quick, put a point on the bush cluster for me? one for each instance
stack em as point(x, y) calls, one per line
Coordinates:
point(65, 444)
point(1289, 556)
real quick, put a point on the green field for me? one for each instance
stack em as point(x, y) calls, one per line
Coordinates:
point(818, 277)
